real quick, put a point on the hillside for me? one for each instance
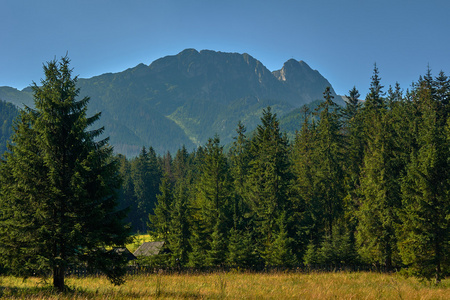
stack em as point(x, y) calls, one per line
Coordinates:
point(8, 113)
point(185, 99)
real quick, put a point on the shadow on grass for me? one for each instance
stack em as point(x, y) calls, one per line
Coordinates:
point(75, 293)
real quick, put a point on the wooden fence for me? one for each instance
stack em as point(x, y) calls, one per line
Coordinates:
point(147, 270)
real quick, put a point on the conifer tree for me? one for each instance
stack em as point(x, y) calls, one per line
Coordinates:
point(59, 186)
point(353, 130)
point(179, 231)
point(212, 203)
point(239, 165)
point(304, 201)
point(328, 155)
point(279, 252)
point(268, 178)
point(161, 217)
point(241, 248)
point(425, 232)
point(379, 182)
point(146, 178)
point(181, 164)
point(354, 153)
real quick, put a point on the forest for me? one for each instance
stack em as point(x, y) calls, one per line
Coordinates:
point(8, 112)
point(367, 183)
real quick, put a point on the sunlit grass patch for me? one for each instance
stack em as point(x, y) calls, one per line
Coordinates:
point(138, 240)
point(233, 285)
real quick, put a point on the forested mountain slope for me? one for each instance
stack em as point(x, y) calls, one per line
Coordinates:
point(8, 113)
point(185, 99)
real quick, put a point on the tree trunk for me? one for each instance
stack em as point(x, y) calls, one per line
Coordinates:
point(58, 278)
point(438, 272)
point(437, 250)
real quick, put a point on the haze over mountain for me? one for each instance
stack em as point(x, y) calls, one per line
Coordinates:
point(187, 98)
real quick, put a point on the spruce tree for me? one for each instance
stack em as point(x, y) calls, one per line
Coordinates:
point(212, 203)
point(329, 157)
point(179, 232)
point(59, 187)
point(279, 252)
point(304, 202)
point(268, 177)
point(354, 153)
point(146, 178)
point(379, 182)
point(239, 164)
point(160, 219)
point(425, 232)
point(242, 251)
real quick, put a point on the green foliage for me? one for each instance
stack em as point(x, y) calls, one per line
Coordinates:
point(7, 115)
point(59, 187)
point(379, 182)
point(365, 183)
point(241, 248)
point(424, 236)
point(266, 185)
point(279, 252)
point(146, 179)
point(187, 98)
point(160, 220)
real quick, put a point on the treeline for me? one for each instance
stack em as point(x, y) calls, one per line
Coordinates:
point(365, 183)
point(8, 112)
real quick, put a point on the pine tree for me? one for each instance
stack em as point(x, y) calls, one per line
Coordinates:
point(160, 219)
point(241, 248)
point(303, 199)
point(374, 99)
point(279, 252)
point(59, 186)
point(354, 153)
point(212, 202)
point(268, 178)
point(179, 232)
point(425, 232)
point(328, 155)
point(353, 130)
point(126, 197)
point(146, 178)
point(181, 164)
point(379, 182)
point(239, 165)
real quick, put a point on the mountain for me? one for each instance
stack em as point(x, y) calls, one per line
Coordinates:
point(185, 99)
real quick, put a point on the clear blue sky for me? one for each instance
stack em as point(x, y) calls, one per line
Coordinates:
point(341, 39)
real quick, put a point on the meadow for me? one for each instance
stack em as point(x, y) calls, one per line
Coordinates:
point(233, 285)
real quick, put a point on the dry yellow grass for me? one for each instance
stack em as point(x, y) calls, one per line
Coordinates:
point(235, 286)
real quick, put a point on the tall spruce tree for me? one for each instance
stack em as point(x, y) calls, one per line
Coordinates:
point(212, 203)
point(329, 173)
point(425, 234)
point(304, 202)
point(179, 231)
point(268, 178)
point(58, 187)
point(241, 245)
point(146, 178)
point(354, 152)
point(161, 217)
point(379, 182)
point(239, 165)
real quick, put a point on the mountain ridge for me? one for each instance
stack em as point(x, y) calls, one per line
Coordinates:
point(186, 98)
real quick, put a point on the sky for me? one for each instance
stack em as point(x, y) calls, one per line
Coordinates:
point(341, 39)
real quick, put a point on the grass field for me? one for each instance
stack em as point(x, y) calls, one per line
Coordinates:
point(234, 286)
point(138, 240)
